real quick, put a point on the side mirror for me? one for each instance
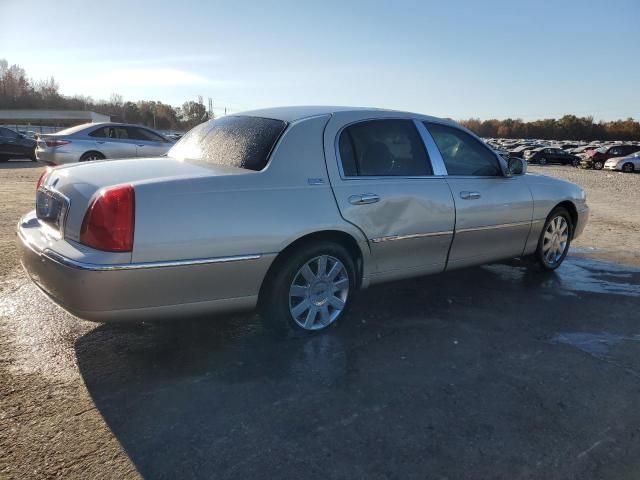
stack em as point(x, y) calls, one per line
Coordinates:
point(516, 166)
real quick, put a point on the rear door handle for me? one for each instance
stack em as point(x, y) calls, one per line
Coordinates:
point(364, 199)
point(470, 195)
point(140, 144)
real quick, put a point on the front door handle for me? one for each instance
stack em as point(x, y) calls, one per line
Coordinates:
point(140, 145)
point(364, 199)
point(469, 195)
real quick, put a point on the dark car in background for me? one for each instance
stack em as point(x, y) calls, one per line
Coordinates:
point(544, 155)
point(596, 158)
point(16, 145)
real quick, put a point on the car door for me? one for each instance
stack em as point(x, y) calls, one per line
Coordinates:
point(9, 144)
point(559, 156)
point(384, 184)
point(113, 142)
point(493, 211)
point(148, 143)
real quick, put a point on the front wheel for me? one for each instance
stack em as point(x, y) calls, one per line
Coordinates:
point(628, 167)
point(542, 161)
point(598, 164)
point(310, 289)
point(555, 239)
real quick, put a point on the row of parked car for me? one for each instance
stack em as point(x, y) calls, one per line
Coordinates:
point(90, 141)
point(620, 156)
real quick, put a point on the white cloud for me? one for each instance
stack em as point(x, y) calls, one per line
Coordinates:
point(164, 77)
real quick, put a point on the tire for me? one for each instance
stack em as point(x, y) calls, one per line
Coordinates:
point(297, 299)
point(91, 156)
point(552, 249)
point(542, 161)
point(598, 164)
point(628, 167)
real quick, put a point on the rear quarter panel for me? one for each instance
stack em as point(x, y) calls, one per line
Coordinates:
point(252, 213)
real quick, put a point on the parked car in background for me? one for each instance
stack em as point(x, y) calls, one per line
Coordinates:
point(519, 151)
point(98, 141)
point(291, 210)
point(15, 145)
point(628, 164)
point(582, 150)
point(596, 158)
point(545, 155)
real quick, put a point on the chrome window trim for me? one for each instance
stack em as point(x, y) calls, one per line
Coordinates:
point(437, 163)
point(392, 238)
point(336, 142)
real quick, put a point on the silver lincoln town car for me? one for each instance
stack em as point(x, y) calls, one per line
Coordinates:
point(291, 210)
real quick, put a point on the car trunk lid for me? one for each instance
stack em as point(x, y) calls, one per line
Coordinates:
point(75, 185)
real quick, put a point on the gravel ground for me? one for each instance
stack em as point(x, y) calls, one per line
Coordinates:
point(442, 385)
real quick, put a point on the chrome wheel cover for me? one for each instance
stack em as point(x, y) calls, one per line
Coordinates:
point(318, 292)
point(555, 240)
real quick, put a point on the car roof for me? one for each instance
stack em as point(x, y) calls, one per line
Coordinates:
point(294, 113)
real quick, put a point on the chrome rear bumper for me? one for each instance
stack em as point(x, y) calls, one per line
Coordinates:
point(142, 291)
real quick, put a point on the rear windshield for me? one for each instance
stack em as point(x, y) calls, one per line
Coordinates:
point(71, 130)
point(234, 141)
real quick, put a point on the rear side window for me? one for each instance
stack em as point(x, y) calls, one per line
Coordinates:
point(234, 141)
point(110, 132)
point(383, 148)
point(143, 134)
point(462, 154)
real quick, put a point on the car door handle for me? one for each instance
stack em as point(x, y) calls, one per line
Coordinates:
point(469, 195)
point(140, 144)
point(363, 199)
point(100, 143)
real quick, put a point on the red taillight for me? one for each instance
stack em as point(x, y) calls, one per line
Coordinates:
point(42, 178)
point(109, 222)
point(56, 143)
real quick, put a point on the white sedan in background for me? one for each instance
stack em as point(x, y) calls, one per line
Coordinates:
point(100, 141)
point(628, 164)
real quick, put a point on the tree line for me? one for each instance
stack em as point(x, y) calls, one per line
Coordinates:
point(17, 91)
point(568, 127)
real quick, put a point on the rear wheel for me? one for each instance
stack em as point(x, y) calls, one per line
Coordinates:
point(309, 290)
point(575, 162)
point(598, 164)
point(628, 167)
point(542, 161)
point(555, 239)
point(91, 156)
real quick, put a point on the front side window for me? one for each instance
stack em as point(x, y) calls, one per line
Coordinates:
point(462, 154)
point(235, 141)
point(383, 148)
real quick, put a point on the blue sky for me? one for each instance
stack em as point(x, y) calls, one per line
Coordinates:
point(457, 59)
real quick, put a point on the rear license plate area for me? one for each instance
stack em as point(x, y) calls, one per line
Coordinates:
point(51, 209)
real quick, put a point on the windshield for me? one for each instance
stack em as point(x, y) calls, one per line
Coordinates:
point(235, 141)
